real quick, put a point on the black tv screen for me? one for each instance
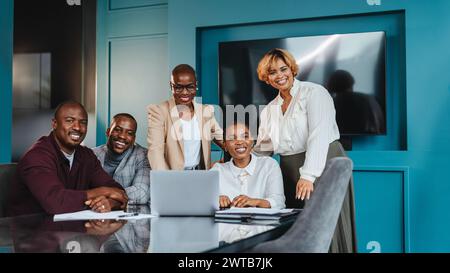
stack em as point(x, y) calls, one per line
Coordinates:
point(351, 67)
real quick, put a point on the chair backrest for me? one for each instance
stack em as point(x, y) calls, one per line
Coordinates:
point(7, 172)
point(313, 230)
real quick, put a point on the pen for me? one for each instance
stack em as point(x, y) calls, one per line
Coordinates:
point(128, 215)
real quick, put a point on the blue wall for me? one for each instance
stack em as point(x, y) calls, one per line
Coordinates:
point(421, 168)
point(132, 69)
point(6, 53)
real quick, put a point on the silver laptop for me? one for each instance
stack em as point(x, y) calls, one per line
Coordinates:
point(184, 193)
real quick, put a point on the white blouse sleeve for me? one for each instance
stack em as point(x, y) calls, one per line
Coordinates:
point(321, 121)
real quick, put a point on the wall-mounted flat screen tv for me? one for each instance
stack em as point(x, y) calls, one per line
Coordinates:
point(351, 66)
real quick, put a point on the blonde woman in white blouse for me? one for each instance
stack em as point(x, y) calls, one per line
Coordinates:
point(300, 126)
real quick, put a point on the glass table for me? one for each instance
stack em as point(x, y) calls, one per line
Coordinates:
point(39, 233)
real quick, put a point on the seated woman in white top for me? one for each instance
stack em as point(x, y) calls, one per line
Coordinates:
point(248, 180)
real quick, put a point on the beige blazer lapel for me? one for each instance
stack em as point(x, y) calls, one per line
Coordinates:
point(175, 130)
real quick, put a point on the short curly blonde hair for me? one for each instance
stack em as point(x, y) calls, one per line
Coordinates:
point(272, 56)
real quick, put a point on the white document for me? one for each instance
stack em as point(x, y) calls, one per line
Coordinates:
point(92, 215)
point(235, 210)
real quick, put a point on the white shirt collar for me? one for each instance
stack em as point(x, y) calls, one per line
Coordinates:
point(293, 91)
point(250, 168)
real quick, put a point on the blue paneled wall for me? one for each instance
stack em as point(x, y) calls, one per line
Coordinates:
point(408, 187)
point(132, 69)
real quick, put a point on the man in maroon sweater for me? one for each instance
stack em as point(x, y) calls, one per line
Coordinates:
point(58, 175)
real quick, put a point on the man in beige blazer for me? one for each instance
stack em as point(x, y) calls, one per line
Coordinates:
point(168, 148)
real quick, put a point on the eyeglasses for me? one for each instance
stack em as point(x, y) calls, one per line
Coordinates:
point(178, 88)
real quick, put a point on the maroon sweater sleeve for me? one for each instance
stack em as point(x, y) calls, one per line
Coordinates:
point(39, 172)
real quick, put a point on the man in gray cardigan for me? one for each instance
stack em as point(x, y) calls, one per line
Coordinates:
point(125, 160)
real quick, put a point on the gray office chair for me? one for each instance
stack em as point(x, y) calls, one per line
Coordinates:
point(7, 172)
point(313, 230)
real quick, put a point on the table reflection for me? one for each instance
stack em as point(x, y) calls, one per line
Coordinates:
point(196, 234)
point(133, 237)
point(229, 233)
point(183, 234)
point(39, 233)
